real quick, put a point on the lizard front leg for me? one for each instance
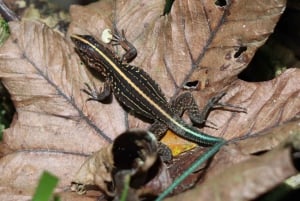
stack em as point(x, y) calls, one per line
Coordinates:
point(98, 95)
point(120, 39)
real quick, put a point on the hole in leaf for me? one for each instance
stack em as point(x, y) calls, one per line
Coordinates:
point(259, 153)
point(240, 51)
point(168, 7)
point(191, 84)
point(7, 109)
point(221, 3)
point(296, 159)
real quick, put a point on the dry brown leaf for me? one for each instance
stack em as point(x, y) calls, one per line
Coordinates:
point(96, 170)
point(253, 178)
point(234, 175)
point(184, 46)
point(55, 129)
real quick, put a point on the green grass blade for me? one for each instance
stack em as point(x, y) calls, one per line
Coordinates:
point(191, 169)
point(45, 188)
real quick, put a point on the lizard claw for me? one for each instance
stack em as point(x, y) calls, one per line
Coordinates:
point(214, 102)
point(96, 95)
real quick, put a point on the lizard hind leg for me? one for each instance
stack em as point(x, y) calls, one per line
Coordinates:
point(186, 102)
point(159, 130)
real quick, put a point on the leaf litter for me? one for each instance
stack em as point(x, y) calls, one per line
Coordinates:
point(55, 129)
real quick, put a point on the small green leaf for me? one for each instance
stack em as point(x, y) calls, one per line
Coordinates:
point(4, 30)
point(45, 187)
point(126, 188)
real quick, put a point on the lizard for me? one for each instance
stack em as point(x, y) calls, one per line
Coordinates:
point(140, 94)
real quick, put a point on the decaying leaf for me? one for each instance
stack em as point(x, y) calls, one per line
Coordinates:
point(132, 155)
point(55, 129)
point(96, 171)
point(251, 175)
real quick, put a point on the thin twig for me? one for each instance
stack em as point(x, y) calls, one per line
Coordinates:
point(7, 13)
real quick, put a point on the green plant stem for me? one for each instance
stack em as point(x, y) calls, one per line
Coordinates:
point(126, 188)
point(191, 169)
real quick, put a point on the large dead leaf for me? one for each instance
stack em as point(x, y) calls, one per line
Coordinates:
point(252, 176)
point(55, 129)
